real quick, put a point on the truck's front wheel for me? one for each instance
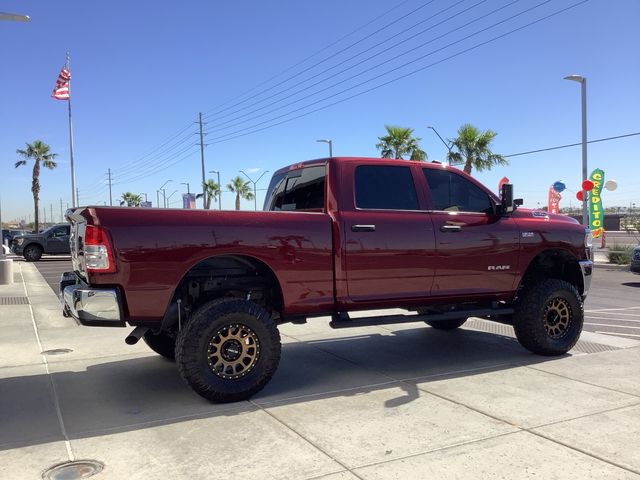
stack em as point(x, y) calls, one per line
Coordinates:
point(229, 350)
point(549, 316)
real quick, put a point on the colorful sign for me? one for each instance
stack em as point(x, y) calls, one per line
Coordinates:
point(553, 205)
point(188, 200)
point(596, 210)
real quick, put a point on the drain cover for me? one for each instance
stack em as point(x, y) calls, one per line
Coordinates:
point(57, 351)
point(73, 470)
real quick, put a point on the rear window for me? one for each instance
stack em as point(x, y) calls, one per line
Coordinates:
point(301, 189)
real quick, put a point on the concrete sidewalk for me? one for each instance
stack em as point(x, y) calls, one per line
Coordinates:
point(371, 403)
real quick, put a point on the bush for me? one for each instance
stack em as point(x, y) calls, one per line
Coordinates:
point(620, 254)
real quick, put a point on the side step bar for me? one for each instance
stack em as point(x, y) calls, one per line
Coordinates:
point(342, 319)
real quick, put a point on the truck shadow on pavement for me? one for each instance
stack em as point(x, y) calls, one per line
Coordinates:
point(99, 395)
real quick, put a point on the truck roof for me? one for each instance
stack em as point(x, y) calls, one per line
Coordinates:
point(381, 161)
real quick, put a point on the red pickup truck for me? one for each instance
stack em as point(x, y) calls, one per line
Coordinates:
point(210, 288)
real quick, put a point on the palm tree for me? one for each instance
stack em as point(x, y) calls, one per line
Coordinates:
point(40, 152)
point(241, 189)
point(131, 199)
point(474, 149)
point(399, 142)
point(211, 190)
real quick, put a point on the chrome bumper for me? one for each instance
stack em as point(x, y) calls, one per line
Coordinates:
point(90, 306)
point(586, 266)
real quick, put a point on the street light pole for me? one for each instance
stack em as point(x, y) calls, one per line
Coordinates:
point(446, 144)
point(187, 184)
point(161, 189)
point(255, 196)
point(330, 142)
point(583, 94)
point(220, 188)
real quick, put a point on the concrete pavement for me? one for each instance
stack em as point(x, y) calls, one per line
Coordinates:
point(371, 403)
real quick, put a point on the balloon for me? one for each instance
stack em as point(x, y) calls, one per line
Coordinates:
point(587, 185)
point(559, 186)
point(611, 185)
point(580, 195)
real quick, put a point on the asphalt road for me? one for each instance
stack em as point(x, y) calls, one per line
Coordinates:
point(612, 307)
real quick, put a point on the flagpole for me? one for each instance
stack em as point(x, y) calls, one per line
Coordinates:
point(73, 173)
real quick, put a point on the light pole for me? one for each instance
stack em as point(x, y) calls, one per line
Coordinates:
point(187, 184)
point(219, 188)
point(583, 93)
point(255, 197)
point(166, 201)
point(446, 144)
point(330, 142)
point(14, 16)
point(145, 195)
point(161, 189)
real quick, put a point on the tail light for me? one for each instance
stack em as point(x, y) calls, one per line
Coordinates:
point(98, 254)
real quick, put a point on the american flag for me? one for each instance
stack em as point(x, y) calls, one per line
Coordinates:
point(61, 90)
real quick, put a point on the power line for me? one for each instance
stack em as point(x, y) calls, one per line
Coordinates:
point(571, 145)
point(189, 152)
point(301, 62)
point(333, 76)
point(292, 94)
point(237, 134)
point(327, 58)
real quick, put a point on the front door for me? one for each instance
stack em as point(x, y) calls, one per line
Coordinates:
point(58, 240)
point(477, 251)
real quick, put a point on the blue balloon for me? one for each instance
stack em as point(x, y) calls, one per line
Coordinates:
point(559, 187)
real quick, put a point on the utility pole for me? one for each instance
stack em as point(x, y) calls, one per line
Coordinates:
point(204, 190)
point(61, 214)
point(77, 197)
point(110, 198)
point(51, 212)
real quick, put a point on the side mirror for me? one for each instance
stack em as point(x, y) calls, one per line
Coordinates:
point(508, 204)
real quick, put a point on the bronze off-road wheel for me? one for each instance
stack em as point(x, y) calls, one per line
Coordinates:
point(228, 350)
point(549, 317)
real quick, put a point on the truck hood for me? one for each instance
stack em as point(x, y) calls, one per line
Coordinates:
point(542, 215)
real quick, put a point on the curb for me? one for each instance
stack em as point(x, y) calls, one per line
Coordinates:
point(611, 266)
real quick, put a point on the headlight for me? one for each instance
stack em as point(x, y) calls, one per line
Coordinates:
point(20, 241)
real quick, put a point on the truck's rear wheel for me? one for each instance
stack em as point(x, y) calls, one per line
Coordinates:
point(162, 343)
point(229, 350)
point(549, 316)
point(32, 253)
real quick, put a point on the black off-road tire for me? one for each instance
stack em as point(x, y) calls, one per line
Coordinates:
point(204, 333)
point(32, 253)
point(445, 325)
point(449, 324)
point(533, 319)
point(162, 343)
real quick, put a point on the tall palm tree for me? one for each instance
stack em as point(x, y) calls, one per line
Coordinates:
point(474, 149)
point(39, 152)
point(211, 192)
point(241, 189)
point(131, 199)
point(399, 142)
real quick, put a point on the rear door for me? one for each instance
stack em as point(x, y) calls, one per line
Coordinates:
point(477, 250)
point(388, 235)
point(58, 240)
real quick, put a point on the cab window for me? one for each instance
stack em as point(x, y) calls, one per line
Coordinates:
point(451, 192)
point(301, 189)
point(383, 187)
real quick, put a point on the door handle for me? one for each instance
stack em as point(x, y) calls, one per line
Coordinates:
point(450, 228)
point(363, 228)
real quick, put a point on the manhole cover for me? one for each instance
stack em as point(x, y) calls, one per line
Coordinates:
point(73, 470)
point(57, 351)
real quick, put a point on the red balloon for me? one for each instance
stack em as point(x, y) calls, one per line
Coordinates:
point(580, 196)
point(587, 185)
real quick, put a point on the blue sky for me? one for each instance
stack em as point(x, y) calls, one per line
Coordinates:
point(143, 70)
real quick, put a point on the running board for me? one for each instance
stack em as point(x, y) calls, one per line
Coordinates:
point(342, 319)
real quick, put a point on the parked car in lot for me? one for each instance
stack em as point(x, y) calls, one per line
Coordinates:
point(337, 235)
point(635, 260)
point(54, 240)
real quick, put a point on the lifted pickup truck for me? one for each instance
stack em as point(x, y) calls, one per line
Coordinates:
point(209, 288)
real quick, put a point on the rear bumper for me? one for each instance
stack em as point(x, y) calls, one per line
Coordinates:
point(96, 307)
point(586, 266)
